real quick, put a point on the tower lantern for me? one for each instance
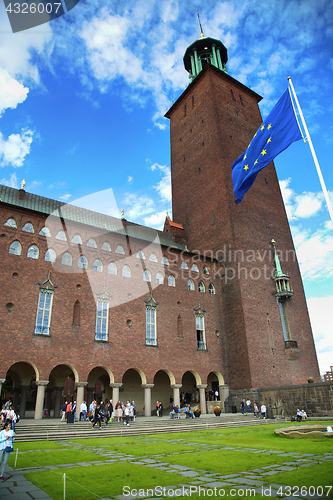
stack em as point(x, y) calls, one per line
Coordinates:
point(202, 51)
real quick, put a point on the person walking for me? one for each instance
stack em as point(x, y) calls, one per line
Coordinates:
point(263, 411)
point(97, 417)
point(63, 411)
point(6, 446)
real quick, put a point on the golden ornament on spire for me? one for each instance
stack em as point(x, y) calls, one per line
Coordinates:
point(202, 33)
point(23, 184)
point(122, 213)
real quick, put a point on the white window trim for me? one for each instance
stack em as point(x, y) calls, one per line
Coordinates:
point(99, 334)
point(151, 340)
point(201, 344)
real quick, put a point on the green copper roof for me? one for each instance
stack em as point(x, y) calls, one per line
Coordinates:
point(69, 212)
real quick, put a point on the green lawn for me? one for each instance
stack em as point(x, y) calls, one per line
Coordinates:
point(202, 450)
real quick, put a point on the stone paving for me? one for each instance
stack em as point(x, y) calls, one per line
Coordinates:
point(197, 481)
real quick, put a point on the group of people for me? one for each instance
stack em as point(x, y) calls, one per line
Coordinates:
point(8, 413)
point(301, 415)
point(176, 411)
point(159, 409)
point(258, 411)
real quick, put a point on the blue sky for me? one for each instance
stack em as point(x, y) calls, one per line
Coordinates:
point(82, 103)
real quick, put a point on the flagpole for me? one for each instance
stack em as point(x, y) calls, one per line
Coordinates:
point(314, 156)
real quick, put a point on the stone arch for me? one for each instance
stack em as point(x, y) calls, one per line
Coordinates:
point(99, 379)
point(132, 381)
point(23, 374)
point(162, 391)
point(61, 388)
point(214, 381)
point(190, 381)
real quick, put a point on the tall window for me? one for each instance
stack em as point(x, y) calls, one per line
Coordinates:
point(82, 262)
point(66, 259)
point(15, 248)
point(126, 272)
point(102, 315)
point(98, 266)
point(50, 255)
point(151, 326)
point(211, 289)
point(44, 308)
point(159, 279)
point(146, 275)
point(112, 268)
point(165, 260)
point(33, 252)
point(200, 327)
point(171, 280)
point(201, 287)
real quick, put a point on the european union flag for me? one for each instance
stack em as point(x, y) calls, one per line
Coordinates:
point(277, 132)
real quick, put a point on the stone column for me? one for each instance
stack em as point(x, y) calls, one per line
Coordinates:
point(176, 395)
point(23, 401)
point(224, 394)
point(2, 381)
point(57, 402)
point(90, 391)
point(115, 392)
point(79, 396)
point(16, 398)
point(147, 388)
point(48, 400)
point(41, 385)
point(202, 394)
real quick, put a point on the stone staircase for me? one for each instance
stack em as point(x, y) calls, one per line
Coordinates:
point(52, 429)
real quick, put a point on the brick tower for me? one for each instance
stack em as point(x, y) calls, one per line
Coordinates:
point(267, 333)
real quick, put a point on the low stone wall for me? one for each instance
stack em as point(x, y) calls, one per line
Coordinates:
point(315, 399)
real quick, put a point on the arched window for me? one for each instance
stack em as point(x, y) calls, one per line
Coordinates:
point(120, 250)
point(45, 232)
point(10, 223)
point(28, 228)
point(98, 266)
point(153, 258)
point(140, 255)
point(171, 280)
point(33, 252)
point(50, 255)
point(82, 262)
point(91, 243)
point(106, 246)
point(112, 268)
point(146, 275)
point(76, 313)
point(159, 279)
point(205, 271)
point(195, 268)
point(66, 259)
point(126, 272)
point(211, 289)
point(184, 265)
point(61, 236)
point(201, 287)
point(77, 239)
point(165, 260)
point(190, 284)
point(15, 248)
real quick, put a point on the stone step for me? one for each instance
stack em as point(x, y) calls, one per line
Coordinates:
point(46, 430)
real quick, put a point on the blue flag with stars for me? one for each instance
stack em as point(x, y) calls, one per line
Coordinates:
point(275, 134)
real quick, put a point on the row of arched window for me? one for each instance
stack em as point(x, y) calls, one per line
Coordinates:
point(91, 243)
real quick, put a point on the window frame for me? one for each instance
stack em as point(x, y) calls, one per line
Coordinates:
point(62, 259)
point(42, 327)
point(102, 336)
point(151, 336)
point(201, 332)
point(35, 247)
point(20, 248)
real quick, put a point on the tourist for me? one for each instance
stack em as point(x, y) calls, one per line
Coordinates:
point(243, 408)
point(263, 411)
point(248, 405)
point(63, 412)
point(6, 446)
point(97, 416)
point(187, 410)
point(83, 411)
point(175, 411)
point(256, 409)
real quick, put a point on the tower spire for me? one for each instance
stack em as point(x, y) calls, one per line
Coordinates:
point(202, 33)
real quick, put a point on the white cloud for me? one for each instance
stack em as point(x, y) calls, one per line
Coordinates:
point(12, 92)
point(164, 186)
point(14, 150)
point(137, 206)
point(320, 310)
point(300, 206)
point(12, 182)
point(314, 252)
point(156, 220)
point(129, 179)
point(65, 197)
